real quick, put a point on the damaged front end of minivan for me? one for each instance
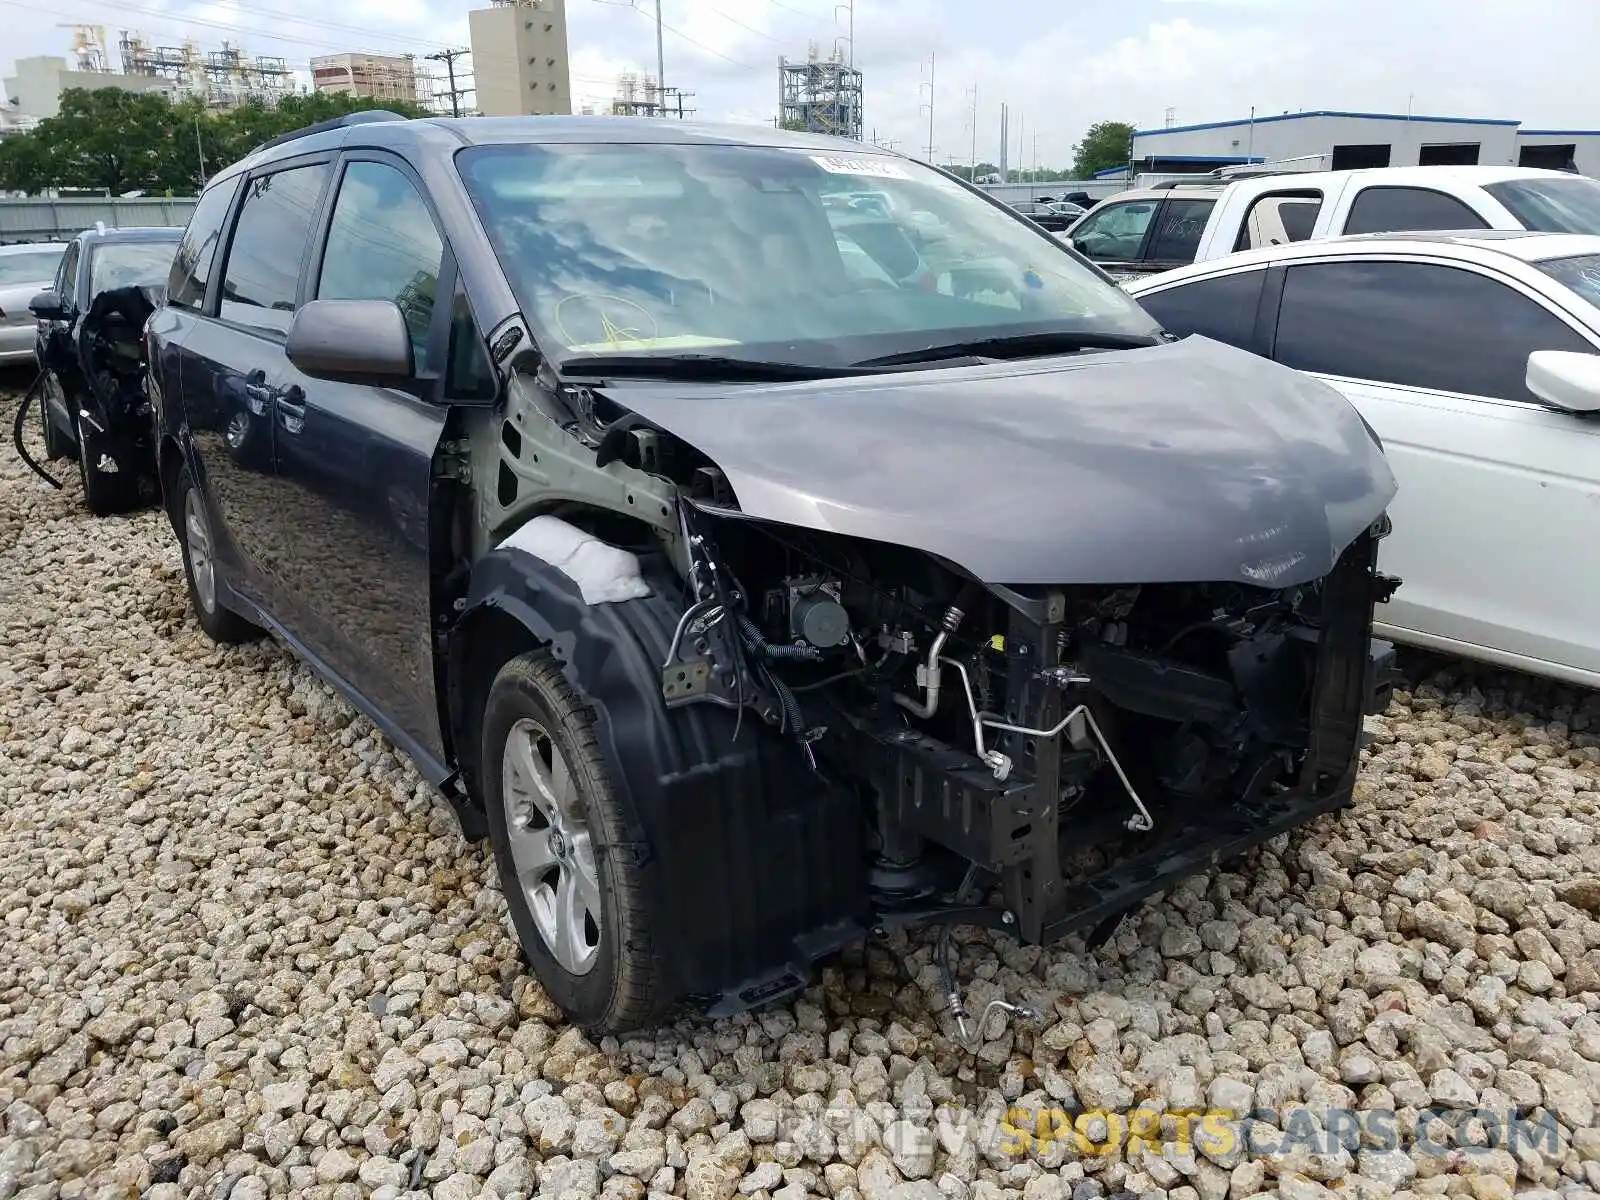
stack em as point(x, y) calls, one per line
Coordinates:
point(1013, 645)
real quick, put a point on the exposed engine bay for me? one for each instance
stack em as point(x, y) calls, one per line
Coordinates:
point(112, 351)
point(1034, 758)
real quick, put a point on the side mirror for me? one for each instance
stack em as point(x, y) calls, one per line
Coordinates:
point(47, 306)
point(1566, 379)
point(351, 341)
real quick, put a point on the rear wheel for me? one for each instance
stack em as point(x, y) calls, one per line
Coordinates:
point(581, 912)
point(221, 624)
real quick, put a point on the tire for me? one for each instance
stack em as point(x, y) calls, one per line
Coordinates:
point(605, 975)
point(221, 625)
point(104, 493)
point(56, 444)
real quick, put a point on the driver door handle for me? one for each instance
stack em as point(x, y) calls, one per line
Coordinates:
point(291, 403)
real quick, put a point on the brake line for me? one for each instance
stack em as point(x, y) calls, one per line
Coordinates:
point(16, 434)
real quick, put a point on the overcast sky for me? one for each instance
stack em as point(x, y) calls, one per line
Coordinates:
point(1059, 65)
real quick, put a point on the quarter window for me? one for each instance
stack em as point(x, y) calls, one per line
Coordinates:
point(383, 245)
point(1223, 308)
point(1397, 209)
point(1276, 219)
point(260, 281)
point(1415, 324)
point(191, 266)
point(1115, 234)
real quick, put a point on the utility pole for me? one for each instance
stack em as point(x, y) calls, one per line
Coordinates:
point(930, 105)
point(974, 175)
point(661, 60)
point(201, 150)
point(448, 58)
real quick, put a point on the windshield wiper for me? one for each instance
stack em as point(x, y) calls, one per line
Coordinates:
point(1020, 345)
point(700, 367)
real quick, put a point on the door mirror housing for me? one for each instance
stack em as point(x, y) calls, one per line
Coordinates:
point(352, 341)
point(48, 306)
point(1566, 379)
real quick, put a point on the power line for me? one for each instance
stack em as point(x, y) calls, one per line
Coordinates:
point(448, 57)
point(660, 24)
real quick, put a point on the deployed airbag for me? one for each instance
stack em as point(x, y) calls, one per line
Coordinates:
point(604, 574)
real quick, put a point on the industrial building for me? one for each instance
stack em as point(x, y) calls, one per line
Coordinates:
point(519, 58)
point(820, 95)
point(1328, 140)
point(222, 79)
point(35, 90)
point(374, 76)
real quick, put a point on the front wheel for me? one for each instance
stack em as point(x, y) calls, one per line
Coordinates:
point(220, 624)
point(581, 910)
point(56, 444)
point(105, 491)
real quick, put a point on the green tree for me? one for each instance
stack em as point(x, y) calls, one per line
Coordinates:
point(127, 141)
point(24, 165)
point(1105, 144)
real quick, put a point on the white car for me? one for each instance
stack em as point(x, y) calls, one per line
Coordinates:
point(1154, 229)
point(26, 269)
point(1475, 357)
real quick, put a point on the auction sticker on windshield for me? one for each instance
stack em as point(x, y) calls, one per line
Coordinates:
point(878, 168)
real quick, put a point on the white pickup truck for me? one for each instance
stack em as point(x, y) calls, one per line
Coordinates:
point(1146, 230)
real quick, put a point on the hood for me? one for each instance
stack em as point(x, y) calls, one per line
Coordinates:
point(1185, 462)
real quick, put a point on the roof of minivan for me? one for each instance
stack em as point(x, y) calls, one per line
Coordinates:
point(456, 132)
point(488, 131)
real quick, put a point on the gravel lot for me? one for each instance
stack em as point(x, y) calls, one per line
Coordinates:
point(249, 954)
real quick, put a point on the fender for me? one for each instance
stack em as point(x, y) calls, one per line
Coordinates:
point(755, 861)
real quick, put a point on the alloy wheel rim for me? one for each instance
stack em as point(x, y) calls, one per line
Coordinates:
point(552, 849)
point(197, 538)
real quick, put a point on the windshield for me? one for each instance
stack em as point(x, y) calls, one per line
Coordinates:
point(30, 266)
point(770, 253)
point(1580, 272)
point(130, 264)
point(1552, 205)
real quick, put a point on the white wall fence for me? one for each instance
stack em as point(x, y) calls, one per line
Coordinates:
point(41, 220)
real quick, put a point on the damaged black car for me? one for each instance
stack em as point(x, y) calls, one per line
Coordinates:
point(90, 351)
point(759, 567)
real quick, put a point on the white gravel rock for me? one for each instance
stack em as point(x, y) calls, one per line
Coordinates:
point(249, 950)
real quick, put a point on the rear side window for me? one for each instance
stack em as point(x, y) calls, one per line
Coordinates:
point(191, 266)
point(383, 245)
point(1398, 209)
point(1415, 324)
point(1223, 308)
point(1276, 219)
point(261, 277)
point(1179, 229)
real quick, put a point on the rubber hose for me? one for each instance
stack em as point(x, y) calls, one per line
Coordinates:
point(16, 434)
